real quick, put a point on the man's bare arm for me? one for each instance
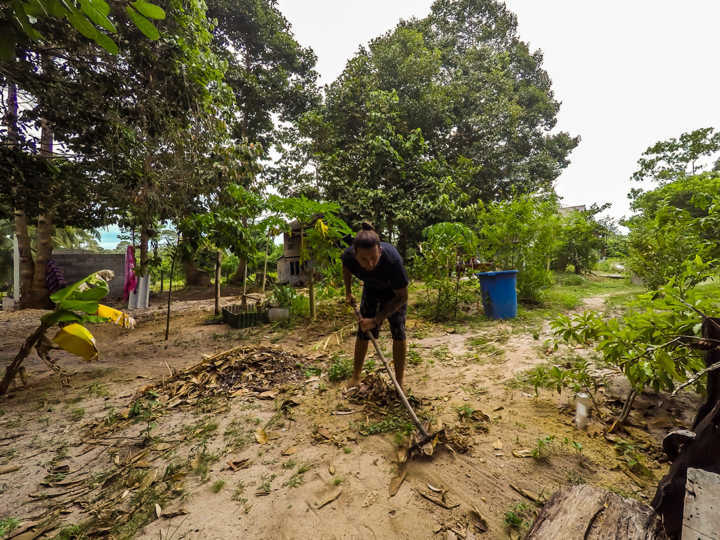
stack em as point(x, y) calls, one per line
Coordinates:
point(347, 279)
point(398, 301)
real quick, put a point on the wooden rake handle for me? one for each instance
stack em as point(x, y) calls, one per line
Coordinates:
point(398, 388)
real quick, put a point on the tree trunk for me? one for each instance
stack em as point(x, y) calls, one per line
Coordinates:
point(238, 278)
point(267, 248)
point(39, 295)
point(311, 291)
point(27, 266)
point(587, 513)
point(12, 370)
point(194, 276)
point(144, 239)
point(218, 261)
point(402, 244)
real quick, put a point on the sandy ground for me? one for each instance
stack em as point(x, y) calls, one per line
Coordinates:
point(199, 470)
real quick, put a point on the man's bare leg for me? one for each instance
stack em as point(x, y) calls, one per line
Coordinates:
point(399, 353)
point(361, 347)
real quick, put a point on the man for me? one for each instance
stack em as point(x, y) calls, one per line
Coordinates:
point(379, 266)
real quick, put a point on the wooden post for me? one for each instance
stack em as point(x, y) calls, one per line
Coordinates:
point(218, 260)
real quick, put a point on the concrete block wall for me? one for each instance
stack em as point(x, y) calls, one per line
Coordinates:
point(77, 264)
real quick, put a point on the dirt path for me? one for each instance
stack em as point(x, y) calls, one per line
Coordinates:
point(276, 489)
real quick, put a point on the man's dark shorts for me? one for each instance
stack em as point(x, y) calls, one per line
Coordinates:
point(372, 302)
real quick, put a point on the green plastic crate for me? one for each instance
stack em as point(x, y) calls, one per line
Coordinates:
point(237, 317)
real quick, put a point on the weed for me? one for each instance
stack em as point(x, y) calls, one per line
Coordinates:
point(338, 480)
point(414, 357)
point(71, 532)
point(340, 369)
point(347, 449)
point(369, 366)
point(238, 493)
point(217, 486)
point(391, 423)
point(543, 448)
point(517, 517)
point(297, 479)
point(202, 460)
point(574, 478)
point(441, 353)
point(289, 464)
point(266, 484)
point(465, 411)
point(8, 525)
point(98, 390)
point(77, 414)
point(312, 371)
point(112, 417)
point(201, 430)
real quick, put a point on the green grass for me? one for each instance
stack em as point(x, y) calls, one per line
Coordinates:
point(8, 525)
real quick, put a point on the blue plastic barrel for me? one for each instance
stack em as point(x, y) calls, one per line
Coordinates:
point(499, 296)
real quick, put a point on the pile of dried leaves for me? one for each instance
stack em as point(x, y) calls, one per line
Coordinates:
point(375, 390)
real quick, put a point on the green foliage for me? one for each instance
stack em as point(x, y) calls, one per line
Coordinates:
point(340, 369)
point(90, 18)
point(283, 295)
point(582, 239)
point(673, 223)
point(521, 234)
point(543, 448)
point(652, 344)
point(672, 159)
point(445, 246)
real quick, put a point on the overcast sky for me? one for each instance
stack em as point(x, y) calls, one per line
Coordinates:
point(628, 73)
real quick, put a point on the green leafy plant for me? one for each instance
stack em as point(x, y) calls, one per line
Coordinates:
point(340, 369)
point(657, 342)
point(521, 234)
point(8, 525)
point(445, 246)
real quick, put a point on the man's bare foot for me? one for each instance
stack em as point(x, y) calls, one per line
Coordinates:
point(352, 383)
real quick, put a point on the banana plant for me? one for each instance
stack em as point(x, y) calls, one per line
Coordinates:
point(75, 305)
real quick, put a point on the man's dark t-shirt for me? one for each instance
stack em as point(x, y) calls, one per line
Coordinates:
point(387, 276)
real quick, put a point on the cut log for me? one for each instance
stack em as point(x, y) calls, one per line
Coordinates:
point(587, 512)
point(701, 519)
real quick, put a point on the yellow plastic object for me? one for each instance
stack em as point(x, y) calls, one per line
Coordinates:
point(76, 339)
point(116, 316)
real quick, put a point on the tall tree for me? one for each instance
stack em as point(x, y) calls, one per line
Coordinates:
point(453, 107)
point(272, 76)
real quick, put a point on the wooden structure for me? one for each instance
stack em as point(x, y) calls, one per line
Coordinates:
point(290, 270)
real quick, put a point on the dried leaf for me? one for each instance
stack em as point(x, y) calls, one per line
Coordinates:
point(269, 394)
point(9, 468)
point(158, 510)
point(327, 498)
point(289, 451)
point(331, 469)
point(498, 445)
point(260, 436)
point(480, 522)
point(397, 480)
point(524, 453)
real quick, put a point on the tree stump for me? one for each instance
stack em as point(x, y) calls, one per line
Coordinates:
point(586, 512)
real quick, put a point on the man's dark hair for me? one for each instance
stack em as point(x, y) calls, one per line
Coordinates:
point(366, 238)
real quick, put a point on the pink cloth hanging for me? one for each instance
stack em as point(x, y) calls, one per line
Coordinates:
point(131, 280)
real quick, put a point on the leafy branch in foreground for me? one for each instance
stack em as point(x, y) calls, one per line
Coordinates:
point(658, 342)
